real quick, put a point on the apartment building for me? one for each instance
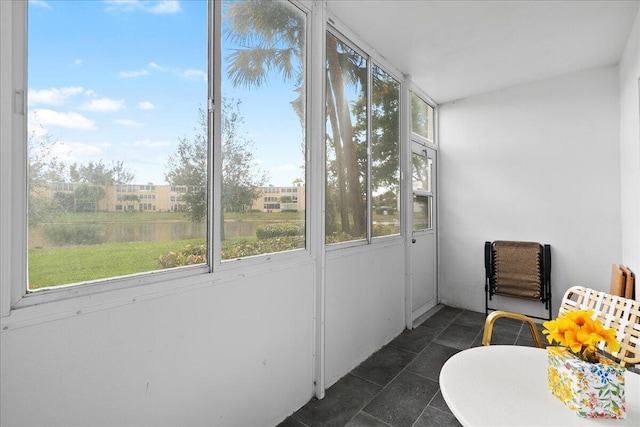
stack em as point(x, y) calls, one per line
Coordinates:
point(169, 198)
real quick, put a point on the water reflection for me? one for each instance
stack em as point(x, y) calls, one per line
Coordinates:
point(51, 235)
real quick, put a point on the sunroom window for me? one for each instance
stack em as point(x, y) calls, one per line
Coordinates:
point(263, 128)
point(117, 139)
point(421, 117)
point(362, 146)
point(122, 151)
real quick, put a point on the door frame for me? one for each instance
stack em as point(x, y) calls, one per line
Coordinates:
point(416, 140)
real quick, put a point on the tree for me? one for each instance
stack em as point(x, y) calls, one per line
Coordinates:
point(241, 175)
point(120, 174)
point(87, 197)
point(188, 168)
point(272, 36)
point(43, 169)
point(345, 67)
point(100, 174)
point(129, 198)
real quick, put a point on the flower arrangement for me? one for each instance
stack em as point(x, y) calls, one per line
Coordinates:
point(580, 334)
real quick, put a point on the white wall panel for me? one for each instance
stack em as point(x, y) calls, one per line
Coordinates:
point(537, 162)
point(364, 304)
point(630, 149)
point(235, 354)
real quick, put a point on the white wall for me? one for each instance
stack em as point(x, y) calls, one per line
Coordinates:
point(630, 150)
point(364, 305)
point(537, 162)
point(234, 354)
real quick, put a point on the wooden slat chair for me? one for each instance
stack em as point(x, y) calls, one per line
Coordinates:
point(622, 281)
point(619, 313)
point(630, 285)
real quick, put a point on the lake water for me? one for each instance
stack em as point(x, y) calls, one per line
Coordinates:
point(49, 235)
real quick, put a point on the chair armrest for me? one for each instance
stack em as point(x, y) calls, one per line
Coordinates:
point(491, 318)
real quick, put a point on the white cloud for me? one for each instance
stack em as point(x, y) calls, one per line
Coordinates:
point(77, 62)
point(146, 105)
point(162, 7)
point(156, 66)
point(130, 74)
point(67, 120)
point(104, 105)
point(40, 3)
point(71, 151)
point(149, 143)
point(128, 122)
point(53, 96)
point(155, 7)
point(195, 75)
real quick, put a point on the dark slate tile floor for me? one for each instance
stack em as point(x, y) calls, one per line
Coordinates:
point(398, 385)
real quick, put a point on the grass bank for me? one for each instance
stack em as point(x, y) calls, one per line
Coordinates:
point(72, 264)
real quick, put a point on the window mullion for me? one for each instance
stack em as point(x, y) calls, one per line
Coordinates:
point(215, 134)
point(368, 184)
point(13, 127)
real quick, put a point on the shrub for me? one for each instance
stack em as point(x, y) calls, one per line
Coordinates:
point(189, 255)
point(232, 249)
point(339, 237)
point(385, 229)
point(381, 210)
point(269, 231)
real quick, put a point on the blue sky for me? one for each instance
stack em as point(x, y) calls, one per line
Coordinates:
point(123, 80)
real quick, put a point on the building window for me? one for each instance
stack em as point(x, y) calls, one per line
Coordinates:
point(104, 121)
point(362, 146)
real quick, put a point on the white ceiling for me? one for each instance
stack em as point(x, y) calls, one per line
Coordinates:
point(454, 49)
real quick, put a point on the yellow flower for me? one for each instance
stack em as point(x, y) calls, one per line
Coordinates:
point(580, 333)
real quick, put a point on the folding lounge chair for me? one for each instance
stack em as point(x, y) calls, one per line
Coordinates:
point(518, 270)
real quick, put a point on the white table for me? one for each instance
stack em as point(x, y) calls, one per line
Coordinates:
point(504, 385)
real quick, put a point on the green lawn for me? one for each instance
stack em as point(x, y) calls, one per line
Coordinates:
point(61, 265)
point(72, 264)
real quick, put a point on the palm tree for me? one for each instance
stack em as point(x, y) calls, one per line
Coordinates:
point(272, 36)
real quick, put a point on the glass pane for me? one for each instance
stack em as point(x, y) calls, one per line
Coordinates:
point(422, 209)
point(421, 172)
point(117, 139)
point(263, 128)
point(421, 117)
point(346, 151)
point(385, 154)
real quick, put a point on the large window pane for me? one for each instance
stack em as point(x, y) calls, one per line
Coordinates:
point(263, 128)
point(385, 153)
point(346, 144)
point(421, 117)
point(117, 138)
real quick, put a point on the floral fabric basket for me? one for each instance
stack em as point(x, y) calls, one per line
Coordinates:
point(592, 390)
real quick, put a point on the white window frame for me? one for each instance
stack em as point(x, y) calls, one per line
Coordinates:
point(18, 307)
point(429, 101)
point(344, 34)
